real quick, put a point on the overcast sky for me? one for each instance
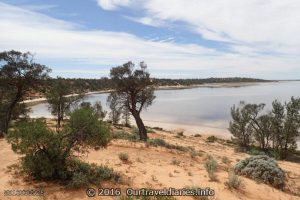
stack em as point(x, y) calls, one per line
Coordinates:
point(176, 38)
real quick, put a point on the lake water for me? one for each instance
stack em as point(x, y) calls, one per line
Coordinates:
point(200, 110)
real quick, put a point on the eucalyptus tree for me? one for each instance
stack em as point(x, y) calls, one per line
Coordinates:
point(135, 90)
point(277, 130)
point(18, 75)
point(60, 100)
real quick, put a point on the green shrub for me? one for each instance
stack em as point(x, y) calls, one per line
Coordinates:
point(211, 139)
point(255, 151)
point(194, 154)
point(158, 128)
point(162, 143)
point(262, 168)
point(78, 180)
point(48, 155)
point(150, 130)
point(211, 166)
point(158, 142)
point(84, 174)
point(180, 134)
point(123, 156)
point(125, 136)
point(234, 181)
point(225, 160)
point(36, 141)
point(176, 162)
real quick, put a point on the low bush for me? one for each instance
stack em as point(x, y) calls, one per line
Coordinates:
point(180, 134)
point(211, 166)
point(162, 143)
point(194, 154)
point(150, 130)
point(158, 142)
point(49, 155)
point(211, 139)
point(158, 128)
point(234, 181)
point(125, 136)
point(123, 156)
point(176, 162)
point(255, 151)
point(84, 174)
point(262, 168)
point(225, 160)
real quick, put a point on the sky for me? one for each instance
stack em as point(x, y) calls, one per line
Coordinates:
point(176, 38)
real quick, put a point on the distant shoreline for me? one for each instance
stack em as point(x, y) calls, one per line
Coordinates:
point(32, 102)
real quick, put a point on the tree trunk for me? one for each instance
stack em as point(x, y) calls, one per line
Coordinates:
point(141, 126)
point(11, 108)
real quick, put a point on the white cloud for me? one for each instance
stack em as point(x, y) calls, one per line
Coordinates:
point(112, 4)
point(57, 40)
point(273, 25)
point(148, 21)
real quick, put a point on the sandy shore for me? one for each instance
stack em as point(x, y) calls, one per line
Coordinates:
point(189, 129)
point(33, 102)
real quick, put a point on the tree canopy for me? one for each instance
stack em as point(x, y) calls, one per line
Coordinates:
point(18, 74)
point(277, 129)
point(134, 89)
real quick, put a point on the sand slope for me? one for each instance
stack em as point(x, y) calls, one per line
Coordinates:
point(153, 167)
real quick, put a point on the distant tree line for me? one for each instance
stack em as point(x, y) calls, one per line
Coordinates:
point(79, 85)
point(274, 132)
point(188, 82)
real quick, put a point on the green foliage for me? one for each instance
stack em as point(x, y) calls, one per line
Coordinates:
point(150, 130)
point(211, 167)
point(277, 130)
point(133, 90)
point(158, 142)
point(256, 151)
point(84, 128)
point(59, 103)
point(41, 147)
point(84, 174)
point(104, 83)
point(161, 142)
point(123, 156)
point(211, 139)
point(262, 168)
point(116, 109)
point(48, 155)
point(97, 108)
point(187, 82)
point(225, 160)
point(176, 162)
point(18, 75)
point(126, 116)
point(239, 126)
point(234, 181)
point(194, 154)
point(125, 136)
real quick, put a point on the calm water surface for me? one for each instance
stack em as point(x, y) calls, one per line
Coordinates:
point(200, 109)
